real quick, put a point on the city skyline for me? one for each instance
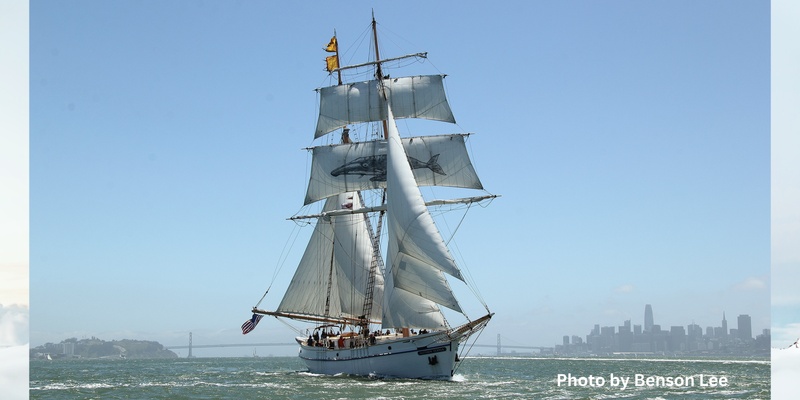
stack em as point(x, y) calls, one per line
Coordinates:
point(743, 321)
point(653, 338)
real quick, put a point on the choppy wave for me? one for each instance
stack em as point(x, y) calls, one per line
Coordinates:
point(484, 377)
point(665, 360)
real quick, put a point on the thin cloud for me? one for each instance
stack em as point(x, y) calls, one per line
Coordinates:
point(628, 288)
point(750, 284)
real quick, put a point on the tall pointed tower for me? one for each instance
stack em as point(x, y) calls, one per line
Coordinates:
point(724, 325)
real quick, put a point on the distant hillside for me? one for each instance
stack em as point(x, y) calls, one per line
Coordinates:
point(96, 348)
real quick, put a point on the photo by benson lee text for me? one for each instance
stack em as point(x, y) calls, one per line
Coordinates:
point(641, 380)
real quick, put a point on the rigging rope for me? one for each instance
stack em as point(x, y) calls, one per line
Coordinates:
point(452, 235)
point(468, 279)
point(466, 351)
point(298, 330)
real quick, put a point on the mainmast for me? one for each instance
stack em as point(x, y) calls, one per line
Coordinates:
point(374, 236)
point(378, 73)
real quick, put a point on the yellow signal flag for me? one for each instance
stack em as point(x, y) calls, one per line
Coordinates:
point(331, 48)
point(333, 62)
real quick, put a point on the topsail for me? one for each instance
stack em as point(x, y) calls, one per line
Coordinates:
point(411, 97)
point(440, 160)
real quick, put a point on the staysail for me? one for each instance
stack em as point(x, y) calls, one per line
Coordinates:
point(417, 256)
point(440, 160)
point(332, 276)
point(411, 97)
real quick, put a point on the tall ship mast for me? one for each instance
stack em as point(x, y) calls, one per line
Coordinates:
point(372, 314)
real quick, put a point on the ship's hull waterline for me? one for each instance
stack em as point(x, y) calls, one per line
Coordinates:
point(431, 356)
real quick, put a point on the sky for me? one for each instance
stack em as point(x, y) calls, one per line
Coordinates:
point(630, 142)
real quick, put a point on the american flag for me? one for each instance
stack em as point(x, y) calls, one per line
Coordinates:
point(250, 324)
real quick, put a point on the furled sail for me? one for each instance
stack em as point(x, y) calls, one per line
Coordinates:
point(417, 255)
point(435, 160)
point(411, 97)
point(334, 270)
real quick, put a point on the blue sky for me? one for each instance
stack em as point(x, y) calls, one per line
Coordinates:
point(630, 142)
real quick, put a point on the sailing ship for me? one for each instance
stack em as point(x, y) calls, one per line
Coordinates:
point(370, 317)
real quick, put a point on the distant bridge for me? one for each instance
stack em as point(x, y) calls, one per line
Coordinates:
point(208, 346)
point(191, 346)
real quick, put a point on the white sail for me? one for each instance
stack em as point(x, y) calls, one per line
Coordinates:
point(409, 310)
point(435, 160)
point(337, 260)
point(417, 255)
point(411, 97)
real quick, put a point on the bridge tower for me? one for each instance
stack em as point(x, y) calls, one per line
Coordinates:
point(190, 346)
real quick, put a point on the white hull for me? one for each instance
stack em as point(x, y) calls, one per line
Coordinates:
point(430, 356)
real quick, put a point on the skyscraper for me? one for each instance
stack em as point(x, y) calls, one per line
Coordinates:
point(648, 318)
point(724, 325)
point(744, 329)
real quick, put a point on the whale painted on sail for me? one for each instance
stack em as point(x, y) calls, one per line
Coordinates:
point(376, 166)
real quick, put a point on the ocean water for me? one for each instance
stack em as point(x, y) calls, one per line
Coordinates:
point(475, 378)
